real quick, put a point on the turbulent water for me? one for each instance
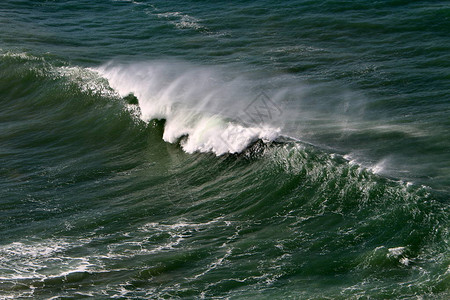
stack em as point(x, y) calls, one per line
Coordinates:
point(225, 150)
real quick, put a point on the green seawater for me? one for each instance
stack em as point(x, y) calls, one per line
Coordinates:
point(224, 150)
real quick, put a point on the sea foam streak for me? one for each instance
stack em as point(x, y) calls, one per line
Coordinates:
point(200, 106)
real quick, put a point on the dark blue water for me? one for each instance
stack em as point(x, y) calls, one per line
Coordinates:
point(167, 149)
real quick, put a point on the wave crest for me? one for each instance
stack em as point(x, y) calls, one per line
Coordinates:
point(199, 105)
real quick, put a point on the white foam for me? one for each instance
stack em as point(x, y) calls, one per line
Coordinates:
point(296, 49)
point(31, 250)
point(351, 160)
point(396, 252)
point(180, 225)
point(21, 55)
point(379, 167)
point(218, 262)
point(404, 261)
point(38, 260)
point(86, 79)
point(209, 135)
point(181, 20)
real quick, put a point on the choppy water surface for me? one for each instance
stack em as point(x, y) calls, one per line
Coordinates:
point(162, 149)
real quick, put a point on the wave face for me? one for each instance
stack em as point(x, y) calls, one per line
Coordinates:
point(152, 150)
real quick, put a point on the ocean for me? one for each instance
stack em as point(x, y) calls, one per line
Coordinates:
point(224, 149)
